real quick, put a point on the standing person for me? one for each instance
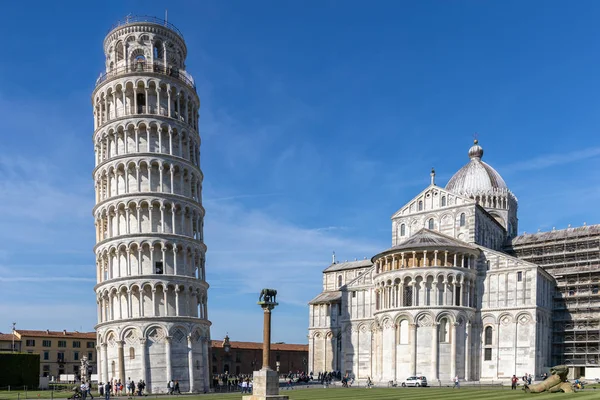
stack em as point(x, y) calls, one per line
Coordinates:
point(513, 382)
point(456, 382)
point(107, 387)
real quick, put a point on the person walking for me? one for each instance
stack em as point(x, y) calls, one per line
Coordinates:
point(88, 386)
point(456, 382)
point(83, 391)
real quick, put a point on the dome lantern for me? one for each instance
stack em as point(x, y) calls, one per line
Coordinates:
point(476, 151)
point(476, 177)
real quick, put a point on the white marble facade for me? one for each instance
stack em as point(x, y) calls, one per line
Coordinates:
point(150, 253)
point(445, 299)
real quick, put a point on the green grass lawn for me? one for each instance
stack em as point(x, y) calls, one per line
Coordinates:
point(465, 393)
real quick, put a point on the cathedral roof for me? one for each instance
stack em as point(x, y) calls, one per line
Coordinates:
point(476, 177)
point(556, 234)
point(340, 266)
point(327, 297)
point(425, 239)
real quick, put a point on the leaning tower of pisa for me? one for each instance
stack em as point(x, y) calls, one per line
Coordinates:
point(150, 254)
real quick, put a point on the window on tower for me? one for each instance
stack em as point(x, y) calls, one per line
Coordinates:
point(141, 103)
point(119, 51)
point(158, 267)
point(463, 219)
point(158, 50)
point(430, 223)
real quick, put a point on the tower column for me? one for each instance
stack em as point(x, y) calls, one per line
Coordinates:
point(121, 356)
point(413, 354)
point(434, 350)
point(144, 361)
point(99, 361)
point(453, 351)
point(105, 361)
point(190, 359)
point(468, 351)
point(168, 357)
point(205, 363)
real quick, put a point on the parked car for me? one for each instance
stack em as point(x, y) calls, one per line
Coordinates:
point(419, 381)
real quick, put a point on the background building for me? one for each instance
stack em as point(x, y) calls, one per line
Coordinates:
point(6, 342)
point(572, 256)
point(447, 299)
point(150, 254)
point(245, 357)
point(60, 352)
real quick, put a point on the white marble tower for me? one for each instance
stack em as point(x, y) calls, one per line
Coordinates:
point(150, 255)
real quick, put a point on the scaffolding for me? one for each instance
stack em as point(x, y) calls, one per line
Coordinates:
point(572, 256)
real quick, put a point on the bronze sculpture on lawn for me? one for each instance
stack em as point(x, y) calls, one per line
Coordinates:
point(554, 383)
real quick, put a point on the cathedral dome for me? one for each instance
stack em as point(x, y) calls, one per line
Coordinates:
point(476, 177)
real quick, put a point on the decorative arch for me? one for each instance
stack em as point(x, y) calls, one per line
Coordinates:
point(155, 333)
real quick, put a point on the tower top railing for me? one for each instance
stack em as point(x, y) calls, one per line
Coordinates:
point(132, 19)
point(157, 68)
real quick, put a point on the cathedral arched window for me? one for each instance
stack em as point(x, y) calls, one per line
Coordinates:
point(131, 353)
point(402, 230)
point(444, 333)
point(420, 205)
point(443, 201)
point(463, 219)
point(430, 223)
point(339, 281)
point(488, 336)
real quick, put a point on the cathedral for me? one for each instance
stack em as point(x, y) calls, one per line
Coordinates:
point(459, 293)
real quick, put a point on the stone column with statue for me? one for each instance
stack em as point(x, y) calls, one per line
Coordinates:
point(265, 382)
point(83, 370)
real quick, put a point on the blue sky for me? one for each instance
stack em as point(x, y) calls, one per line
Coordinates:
point(319, 119)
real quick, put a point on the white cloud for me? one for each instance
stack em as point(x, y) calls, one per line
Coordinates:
point(29, 279)
point(74, 315)
point(249, 250)
point(551, 160)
